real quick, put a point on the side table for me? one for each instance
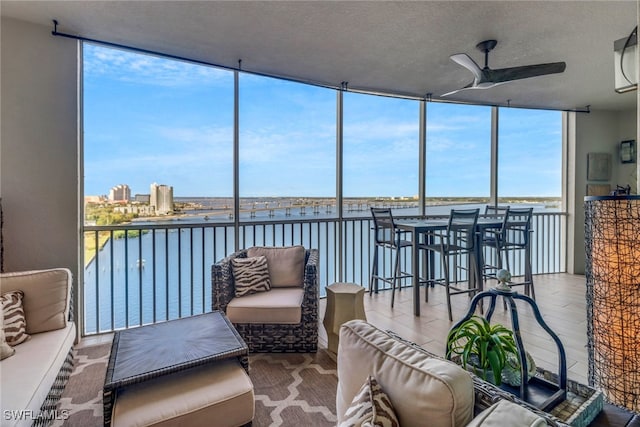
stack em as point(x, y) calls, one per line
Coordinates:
point(344, 303)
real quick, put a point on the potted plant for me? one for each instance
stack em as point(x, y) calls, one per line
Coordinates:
point(481, 347)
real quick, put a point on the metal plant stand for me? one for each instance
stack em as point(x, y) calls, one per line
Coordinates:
point(540, 392)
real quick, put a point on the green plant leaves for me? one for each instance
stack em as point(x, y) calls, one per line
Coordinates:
point(482, 346)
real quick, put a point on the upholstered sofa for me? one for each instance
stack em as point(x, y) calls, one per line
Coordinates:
point(423, 389)
point(34, 376)
point(283, 318)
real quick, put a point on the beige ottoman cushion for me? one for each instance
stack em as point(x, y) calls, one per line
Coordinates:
point(422, 389)
point(221, 391)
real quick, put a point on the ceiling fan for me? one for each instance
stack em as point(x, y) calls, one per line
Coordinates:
point(484, 78)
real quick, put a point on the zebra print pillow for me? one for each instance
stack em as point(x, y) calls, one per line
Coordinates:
point(371, 407)
point(250, 275)
point(5, 349)
point(15, 325)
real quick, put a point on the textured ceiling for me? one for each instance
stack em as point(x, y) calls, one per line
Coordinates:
point(397, 47)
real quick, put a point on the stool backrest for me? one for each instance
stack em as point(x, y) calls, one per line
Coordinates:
point(461, 228)
point(495, 211)
point(385, 231)
point(518, 227)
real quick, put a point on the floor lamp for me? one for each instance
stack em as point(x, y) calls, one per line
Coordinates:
point(612, 239)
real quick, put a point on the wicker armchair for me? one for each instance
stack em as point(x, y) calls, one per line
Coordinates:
point(273, 337)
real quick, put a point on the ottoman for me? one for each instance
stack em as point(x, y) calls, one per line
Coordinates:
point(220, 391)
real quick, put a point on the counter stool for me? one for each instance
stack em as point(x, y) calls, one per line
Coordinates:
point(344, 303)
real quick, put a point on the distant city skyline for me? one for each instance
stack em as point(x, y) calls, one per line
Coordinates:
point(148, 119)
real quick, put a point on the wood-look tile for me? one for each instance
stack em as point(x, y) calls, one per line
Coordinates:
point(560, 298)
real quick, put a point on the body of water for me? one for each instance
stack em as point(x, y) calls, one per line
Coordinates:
point(166, 273)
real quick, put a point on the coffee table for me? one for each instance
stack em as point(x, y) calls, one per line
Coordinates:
point(150, 351)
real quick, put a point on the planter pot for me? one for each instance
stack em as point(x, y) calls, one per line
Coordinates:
point(511, 372)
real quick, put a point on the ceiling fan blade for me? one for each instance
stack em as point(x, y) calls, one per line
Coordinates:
point(467, 62)
point(471, 85)
point(517, 73)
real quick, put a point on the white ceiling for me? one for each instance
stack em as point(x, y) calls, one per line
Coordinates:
point(398, 47)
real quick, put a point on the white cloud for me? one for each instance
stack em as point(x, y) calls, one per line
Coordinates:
point(149, 70)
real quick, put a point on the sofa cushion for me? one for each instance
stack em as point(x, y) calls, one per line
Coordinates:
point(250, 275)
point(420, 387)
point(507, 414)
point(286, 264)
point(14, 324)
point(28, 375)
point(370, 407)
point(5, 349)
point(46, 297)
point(279, 305)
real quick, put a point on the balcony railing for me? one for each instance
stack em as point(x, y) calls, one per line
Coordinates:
point(148, 273)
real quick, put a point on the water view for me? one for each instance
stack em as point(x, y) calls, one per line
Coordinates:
point(164, 273)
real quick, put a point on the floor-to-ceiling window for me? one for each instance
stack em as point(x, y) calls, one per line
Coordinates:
point(158, 142)
point(380, 153)
point(287, 149)
point(159, 159)
point(458, 164)
point(530, 157)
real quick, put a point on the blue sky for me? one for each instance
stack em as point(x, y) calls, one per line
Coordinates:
point(150, 120)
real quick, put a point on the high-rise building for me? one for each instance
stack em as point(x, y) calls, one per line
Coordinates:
point(120, 193)
point(161, 198)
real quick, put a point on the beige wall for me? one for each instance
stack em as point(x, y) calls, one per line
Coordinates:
point(596, 132)
point(38, 148)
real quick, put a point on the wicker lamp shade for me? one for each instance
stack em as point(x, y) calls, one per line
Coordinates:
point(612, 238)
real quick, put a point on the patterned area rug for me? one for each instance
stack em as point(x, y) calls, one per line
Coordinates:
point(290, 389)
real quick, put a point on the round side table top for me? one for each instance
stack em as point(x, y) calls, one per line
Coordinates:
point(345, 288)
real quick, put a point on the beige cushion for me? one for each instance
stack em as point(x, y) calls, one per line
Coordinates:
point(28, 375)
point(280, 305)
point(218, 394)
point(250, 275)
point(5, 349)
point(421, 387)
point(507, 414)
point(370, 407)
point(286, 264)
point(14, 324)
point(46, 297)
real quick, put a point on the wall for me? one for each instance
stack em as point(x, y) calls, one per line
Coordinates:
point(38, 148)
point(596, 132)
point(627, 173)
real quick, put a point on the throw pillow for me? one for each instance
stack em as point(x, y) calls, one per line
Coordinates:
point(371, 407)
point(5, 349)
point(15, 324)
point(286, 264)
point(251, 275)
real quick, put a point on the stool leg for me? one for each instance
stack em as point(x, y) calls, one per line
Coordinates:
point(396, 267)
point(528, 275)
point(374, 271)
point(445, 265)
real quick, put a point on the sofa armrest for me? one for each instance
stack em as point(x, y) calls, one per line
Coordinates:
point(311, 287)
point(47, 297)
point(222, 286)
